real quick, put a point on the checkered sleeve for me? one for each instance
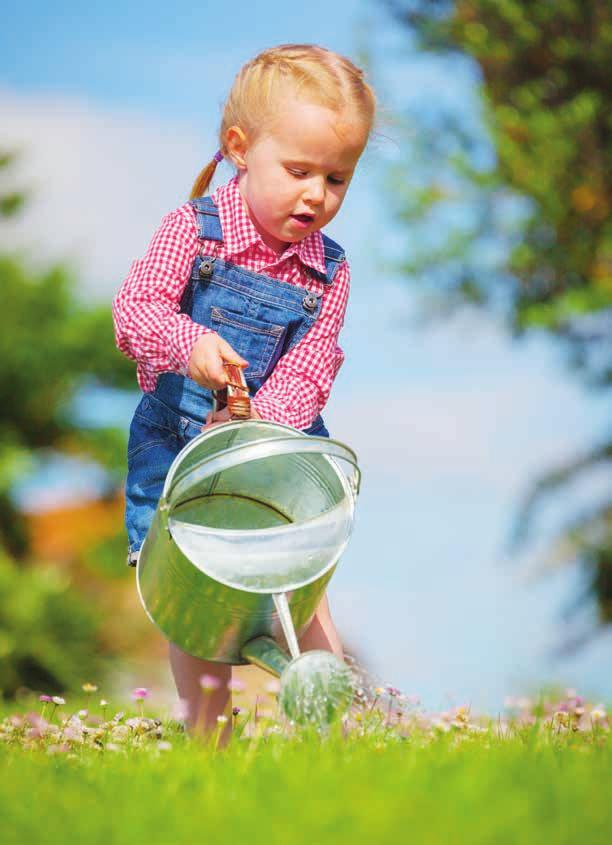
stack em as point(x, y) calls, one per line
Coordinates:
point(300, 384)
point(148, 325)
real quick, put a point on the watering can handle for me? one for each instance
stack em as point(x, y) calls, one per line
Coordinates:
point(245, 452)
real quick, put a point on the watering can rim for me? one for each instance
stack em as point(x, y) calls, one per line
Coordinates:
point(328, 447)
point(178, 488)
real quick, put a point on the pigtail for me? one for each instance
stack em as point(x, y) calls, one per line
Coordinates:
point(200, 186)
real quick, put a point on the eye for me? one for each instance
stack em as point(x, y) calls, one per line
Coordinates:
point(297, 173)
point(335, 181)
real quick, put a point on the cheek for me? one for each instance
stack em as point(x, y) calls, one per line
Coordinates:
point(261, 200)
point(333, 203)
point(280, 198)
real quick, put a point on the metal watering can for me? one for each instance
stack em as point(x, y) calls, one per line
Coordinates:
point(251, 523)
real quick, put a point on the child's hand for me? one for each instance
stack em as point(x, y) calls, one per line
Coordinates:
point(218, 417)
point(206, 362)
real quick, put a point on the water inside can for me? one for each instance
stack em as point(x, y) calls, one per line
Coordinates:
point(225, 510)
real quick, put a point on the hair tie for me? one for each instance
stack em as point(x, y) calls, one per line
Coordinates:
point(218, 156)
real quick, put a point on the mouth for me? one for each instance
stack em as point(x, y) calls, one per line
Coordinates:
point(304, 219)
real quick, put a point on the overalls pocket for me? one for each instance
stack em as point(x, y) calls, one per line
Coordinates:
point(256, 340)
point(146, 433)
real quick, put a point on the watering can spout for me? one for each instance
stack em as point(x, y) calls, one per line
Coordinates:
point(315, 688)
point(265, 653)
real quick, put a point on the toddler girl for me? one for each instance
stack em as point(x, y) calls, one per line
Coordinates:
point(246, 276)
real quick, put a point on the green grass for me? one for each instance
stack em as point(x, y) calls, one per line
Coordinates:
point(459, 787)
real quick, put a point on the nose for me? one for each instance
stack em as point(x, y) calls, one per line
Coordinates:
point(315, 190)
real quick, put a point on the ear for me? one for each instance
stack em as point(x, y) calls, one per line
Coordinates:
point(237, 145)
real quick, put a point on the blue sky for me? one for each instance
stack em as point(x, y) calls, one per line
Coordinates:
point(116, 108)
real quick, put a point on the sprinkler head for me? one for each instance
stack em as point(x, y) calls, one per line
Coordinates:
point(316, 689)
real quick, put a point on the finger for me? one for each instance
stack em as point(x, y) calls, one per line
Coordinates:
point(215, 372)
point(230, 355)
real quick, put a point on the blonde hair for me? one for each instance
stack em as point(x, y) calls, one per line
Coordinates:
point(316, 74)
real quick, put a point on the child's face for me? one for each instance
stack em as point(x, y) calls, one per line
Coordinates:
point(302, 166)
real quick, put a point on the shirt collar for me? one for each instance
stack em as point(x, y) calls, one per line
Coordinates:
point(239, 232)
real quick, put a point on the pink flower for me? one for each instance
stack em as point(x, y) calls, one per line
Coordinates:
point(236, 685)
point(35, 719)
point(235, 711)
point(62, 748)
point(180, 710)
point(46, 698)
point(72, 733)
point(209, 683)
point(140, 693)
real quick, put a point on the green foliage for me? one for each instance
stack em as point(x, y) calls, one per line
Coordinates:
point(106, 560)
point(50, 346)
point(48, 636)
point(546, 82)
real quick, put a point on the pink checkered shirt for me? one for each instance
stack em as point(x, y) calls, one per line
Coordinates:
point(150, 329)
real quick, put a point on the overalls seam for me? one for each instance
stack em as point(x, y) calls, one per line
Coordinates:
point(154, 423)
point(239, 271)
point(276, 331)
point(266, 299)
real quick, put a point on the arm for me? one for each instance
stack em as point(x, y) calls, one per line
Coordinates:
point(302, 380)
point(148, 325)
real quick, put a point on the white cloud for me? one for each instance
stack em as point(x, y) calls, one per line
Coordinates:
point(100, 182)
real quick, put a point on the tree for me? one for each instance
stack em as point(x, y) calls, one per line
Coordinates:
point(50, 346)
point(546, 79)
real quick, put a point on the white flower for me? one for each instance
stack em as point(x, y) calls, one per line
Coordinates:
point(120, 732)
point(221, 719)
point(57, 700)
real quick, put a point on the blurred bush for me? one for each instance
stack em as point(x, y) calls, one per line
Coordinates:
point(49, 637)
point(52, 344)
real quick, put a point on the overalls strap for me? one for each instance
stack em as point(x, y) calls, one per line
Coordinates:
point(209, 227)
point(207, 216)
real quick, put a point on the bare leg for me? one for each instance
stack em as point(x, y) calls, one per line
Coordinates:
point(322, 633)
point(202, 708)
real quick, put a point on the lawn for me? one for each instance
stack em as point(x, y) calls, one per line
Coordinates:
point(540, 774)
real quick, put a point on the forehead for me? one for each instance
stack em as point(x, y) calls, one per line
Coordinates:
point(314, 134)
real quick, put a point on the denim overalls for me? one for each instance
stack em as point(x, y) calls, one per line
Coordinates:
point(260, 317)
